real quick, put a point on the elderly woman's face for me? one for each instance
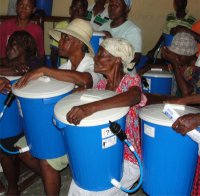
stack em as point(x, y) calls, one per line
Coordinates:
point(67, 45)
point(104, 61)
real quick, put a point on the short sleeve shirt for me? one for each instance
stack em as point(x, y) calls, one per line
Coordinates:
point(128, 30)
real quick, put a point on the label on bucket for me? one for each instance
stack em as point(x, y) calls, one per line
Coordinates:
point(148, 130)
point(106, 132)
point(111, 141)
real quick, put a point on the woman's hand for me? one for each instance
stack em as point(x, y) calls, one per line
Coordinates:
point(29, 76)
point(77, 113)
point(21, 68)
point(186, 123)
point(169, 56)
point(5, 85)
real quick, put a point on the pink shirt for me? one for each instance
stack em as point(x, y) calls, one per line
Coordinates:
point(8, 27)
point(132, 119)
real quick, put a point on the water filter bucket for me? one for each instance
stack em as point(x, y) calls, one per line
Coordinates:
point(36, 103)
point(95, 154)
point(159, 82)
point(10, 124)
point(45, 5)
point(169, 159)
point(97, 38)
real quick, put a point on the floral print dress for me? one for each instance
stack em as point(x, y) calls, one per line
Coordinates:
point(132, 119)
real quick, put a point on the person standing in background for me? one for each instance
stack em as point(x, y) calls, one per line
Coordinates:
point(97, 14)
point(24, 8)
point(78, 9)
point(120, 26)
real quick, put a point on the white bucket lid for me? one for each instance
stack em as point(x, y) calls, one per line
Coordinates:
point(11, 78)
point(88, 96)
point(43, 87)
point(154, 113)
point(98, 33)
point(158, 73)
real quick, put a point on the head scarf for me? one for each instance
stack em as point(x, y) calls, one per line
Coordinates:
point(119, 47)
point(128, 3)
point(183, 44)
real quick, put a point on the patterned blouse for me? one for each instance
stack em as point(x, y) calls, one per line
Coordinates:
point(192, 76)
point(132, 119)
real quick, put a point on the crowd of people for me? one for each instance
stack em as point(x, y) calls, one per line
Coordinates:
point(112, 68)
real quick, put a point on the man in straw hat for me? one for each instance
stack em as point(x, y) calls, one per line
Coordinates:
point(74, 44)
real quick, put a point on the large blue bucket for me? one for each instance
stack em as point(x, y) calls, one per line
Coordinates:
point(159, 82)
point(97, 38)
point(95, 154)
point(169, 159)
point(10, 124)
point(45, 5)
point(36, 103)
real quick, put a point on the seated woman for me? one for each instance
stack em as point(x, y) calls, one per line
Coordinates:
point(113, 60)
point(21, 56)
point(74, 44)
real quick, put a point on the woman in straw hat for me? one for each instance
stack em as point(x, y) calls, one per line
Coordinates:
point(113, 60)
point(74, 43)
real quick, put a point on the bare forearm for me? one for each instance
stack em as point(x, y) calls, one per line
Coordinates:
point(129, 98)
point(78, 78)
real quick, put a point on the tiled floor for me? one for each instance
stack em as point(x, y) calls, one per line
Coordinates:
point(36, 189)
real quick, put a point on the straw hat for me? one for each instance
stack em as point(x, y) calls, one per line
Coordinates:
point(79, 29)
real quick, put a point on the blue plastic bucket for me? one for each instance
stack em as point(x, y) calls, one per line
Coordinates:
point(159, 82)
point(95, 154)
point(36, 103)
point(167, 39)
point(97, 38)
point(10, 124)
point(169, 159)
point(45, 5)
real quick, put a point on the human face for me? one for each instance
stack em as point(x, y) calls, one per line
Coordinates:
point(14, 50)
point(67, 45)
point(25, 8)
point(104, 61)
point(117, 9)
point(77, 10)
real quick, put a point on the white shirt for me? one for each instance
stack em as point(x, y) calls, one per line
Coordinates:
point(128, 30)
point(86, 65)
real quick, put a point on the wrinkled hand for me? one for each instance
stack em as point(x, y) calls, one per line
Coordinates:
point(77, 113)
point(21, 68)
point(5, 85)
point(186, 123)
point(108, 34)
point(169, 56)
point(32, 75)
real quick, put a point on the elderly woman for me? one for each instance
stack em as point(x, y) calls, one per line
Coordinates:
point(75, 45)
point(113, 60)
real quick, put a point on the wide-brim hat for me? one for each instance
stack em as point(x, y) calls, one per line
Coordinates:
point(77, 28)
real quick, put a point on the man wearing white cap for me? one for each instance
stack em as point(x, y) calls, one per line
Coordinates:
point(119, 26)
